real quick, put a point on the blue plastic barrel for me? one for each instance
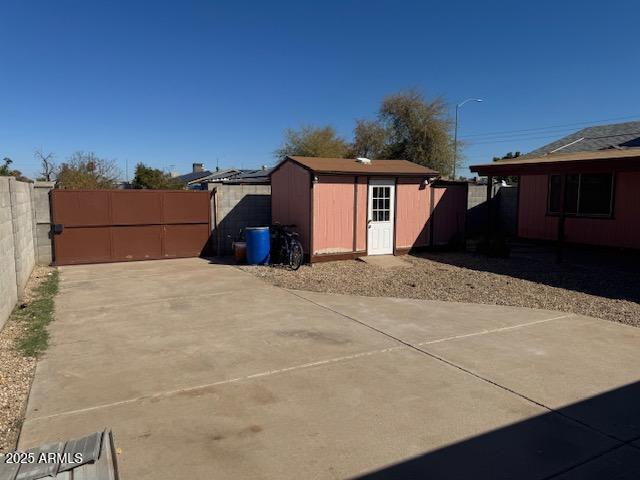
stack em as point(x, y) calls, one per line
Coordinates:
point(257, 239)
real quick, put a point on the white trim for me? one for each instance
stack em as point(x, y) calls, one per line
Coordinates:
point(565, 146)
point(381, 234)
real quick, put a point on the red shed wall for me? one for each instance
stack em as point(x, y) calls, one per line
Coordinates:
point(413, 204)
point(623, 230)
point(290, 199)
point(449, 214)
point(333, 214)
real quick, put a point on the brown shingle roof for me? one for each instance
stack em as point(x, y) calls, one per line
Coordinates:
point(351, 166)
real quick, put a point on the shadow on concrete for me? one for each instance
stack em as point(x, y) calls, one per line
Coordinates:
point(252, 210)
point(223, 260)
point(599, 272)
point(592, 439)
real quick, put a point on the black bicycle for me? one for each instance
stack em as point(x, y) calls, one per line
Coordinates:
point(286, 249)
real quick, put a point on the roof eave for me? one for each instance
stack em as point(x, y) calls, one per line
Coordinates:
point(564, 166)
point(358, 172)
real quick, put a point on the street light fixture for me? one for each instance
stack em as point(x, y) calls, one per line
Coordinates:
point(455, 137)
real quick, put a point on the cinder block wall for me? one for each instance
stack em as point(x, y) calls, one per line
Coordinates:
point(23, 230)
point(24, 209)
point(235, 207)
point(8, 282)
point(42, 216)
point(505, 202)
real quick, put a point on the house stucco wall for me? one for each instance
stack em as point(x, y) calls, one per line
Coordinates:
point(622, 230)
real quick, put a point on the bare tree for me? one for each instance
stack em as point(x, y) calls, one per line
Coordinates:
point(47, 165)
point(85, 170)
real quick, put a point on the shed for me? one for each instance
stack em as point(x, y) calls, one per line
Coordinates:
point(345, 208)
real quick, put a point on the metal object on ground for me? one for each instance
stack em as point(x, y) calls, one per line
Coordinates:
point(92, 457)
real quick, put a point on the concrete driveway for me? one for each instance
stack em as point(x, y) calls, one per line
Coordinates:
point(205, 372)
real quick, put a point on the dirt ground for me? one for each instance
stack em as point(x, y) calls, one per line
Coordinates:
point(605, 287)
point(16, 369)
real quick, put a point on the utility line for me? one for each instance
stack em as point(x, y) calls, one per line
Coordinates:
point(635, 132)
point(522, 135)
point(592, 122)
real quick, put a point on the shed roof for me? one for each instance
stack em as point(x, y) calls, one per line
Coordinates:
point(350, 166)
point(511, 165)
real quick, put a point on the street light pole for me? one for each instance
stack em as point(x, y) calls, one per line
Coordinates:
point(455, 135)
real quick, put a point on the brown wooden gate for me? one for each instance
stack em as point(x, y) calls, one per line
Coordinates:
point(94, 226)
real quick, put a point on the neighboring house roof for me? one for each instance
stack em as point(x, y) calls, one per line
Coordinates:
point(207, 176)
point(222, 175)
point(352, 166)
point(251, 176)
point(96, 461)
point(193, 176)
point(616, 135)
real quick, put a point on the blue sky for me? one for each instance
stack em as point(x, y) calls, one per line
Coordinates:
point(171, 83)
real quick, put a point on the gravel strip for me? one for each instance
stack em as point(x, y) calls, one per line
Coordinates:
point(586, 288)
point(16, 370)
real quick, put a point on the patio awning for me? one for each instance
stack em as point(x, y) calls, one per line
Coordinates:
point(601, 160)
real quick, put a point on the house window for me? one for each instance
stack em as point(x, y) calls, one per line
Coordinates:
point(586, 194)
point(381, 197)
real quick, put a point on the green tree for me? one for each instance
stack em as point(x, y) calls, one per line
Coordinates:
point(312, 141)
point(5, 168)
point(7, 171)
point(154, 179)
point(508, 156)
point(370, 139)
point(418, 130)
point(85, 170)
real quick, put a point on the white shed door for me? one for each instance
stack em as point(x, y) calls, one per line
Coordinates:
point(380, 221)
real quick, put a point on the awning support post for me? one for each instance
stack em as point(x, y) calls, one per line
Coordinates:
point(561, 218)
point(489, 231)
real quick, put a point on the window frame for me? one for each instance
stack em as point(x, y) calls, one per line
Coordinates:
point(577, 213)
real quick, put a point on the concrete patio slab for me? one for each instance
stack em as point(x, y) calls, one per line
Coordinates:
point(420, 321)
point(204, 371)
point(185, 340)
point(560, 363)
point(334, 421)
point(621, 464)
point(385, 261)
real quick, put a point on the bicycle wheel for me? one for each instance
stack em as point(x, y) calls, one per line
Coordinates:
point(296, 256)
